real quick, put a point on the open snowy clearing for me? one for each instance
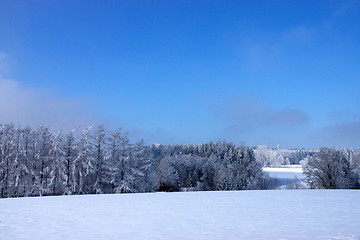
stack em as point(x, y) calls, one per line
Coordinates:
point(293, 214)
point(285, 174)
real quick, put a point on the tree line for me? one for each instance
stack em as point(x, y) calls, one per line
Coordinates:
point(38, 162)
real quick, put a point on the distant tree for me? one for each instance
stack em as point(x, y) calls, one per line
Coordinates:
point(268, 182)
point(262, 155)
point(294, 184)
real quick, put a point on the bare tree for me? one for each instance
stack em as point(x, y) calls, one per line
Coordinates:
point(329, 169)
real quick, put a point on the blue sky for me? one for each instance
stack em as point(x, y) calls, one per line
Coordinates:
point(254, 72)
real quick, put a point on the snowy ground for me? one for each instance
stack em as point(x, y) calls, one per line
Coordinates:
point(293, 214)
point(285, 174)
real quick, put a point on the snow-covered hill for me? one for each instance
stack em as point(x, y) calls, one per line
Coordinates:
point(293, 214)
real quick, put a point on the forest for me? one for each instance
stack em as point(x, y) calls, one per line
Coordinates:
point(40, 162)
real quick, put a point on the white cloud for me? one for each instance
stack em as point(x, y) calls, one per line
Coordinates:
point(29, 106)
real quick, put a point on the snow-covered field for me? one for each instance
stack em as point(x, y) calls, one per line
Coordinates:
point(285, 174)
point(293, 214)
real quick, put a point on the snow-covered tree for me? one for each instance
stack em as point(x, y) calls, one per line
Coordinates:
point(44, 147)
point(125, 166)
point(58, 168)
point(355, 166)
point(83, 164)
point(141, 168)
point(17, 160)
point(99, 159)
point(6, 138)
point(208, 178)
point(168, 176)
point(115, 157)
point(330, 168)
point(28, 156)
point(41, 162)
point(70, 151)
